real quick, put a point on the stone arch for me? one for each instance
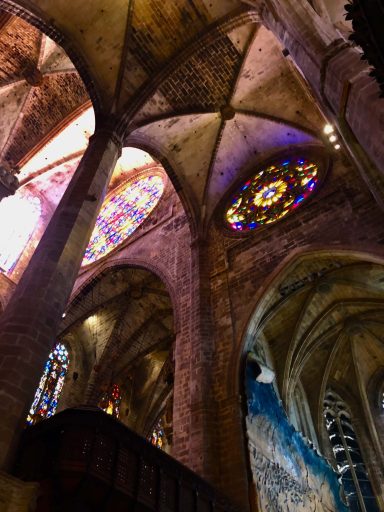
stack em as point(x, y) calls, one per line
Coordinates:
point(114, 263)
point(151, 147)
point(336, 307)
point(258, 305)
point(121, 323)
point(38, 20)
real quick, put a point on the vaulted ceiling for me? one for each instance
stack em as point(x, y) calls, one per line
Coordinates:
point(324, 325)
point(40, 90)
point(200, 84)
point(122, 323)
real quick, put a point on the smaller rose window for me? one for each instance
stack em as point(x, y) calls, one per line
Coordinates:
point(271, 194)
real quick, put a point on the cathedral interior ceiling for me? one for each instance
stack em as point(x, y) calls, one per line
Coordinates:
point(39, 90)
point(214, 99)
point(324, 325)
point(122, 322)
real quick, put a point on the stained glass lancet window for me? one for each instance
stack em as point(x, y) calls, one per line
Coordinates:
point(122, 213)
point(157, 435)
point(18, 219)
point(51, 384)
point(346, 449)
point(272, 193)
point(111, 401)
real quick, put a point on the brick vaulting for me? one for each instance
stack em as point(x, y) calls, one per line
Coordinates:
point(248, 344)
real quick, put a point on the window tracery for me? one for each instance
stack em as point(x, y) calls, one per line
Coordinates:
point(122, 213)
point(272, 193)
point(51, 384)
point(346, 450)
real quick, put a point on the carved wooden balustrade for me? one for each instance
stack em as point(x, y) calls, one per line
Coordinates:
point(86, 460)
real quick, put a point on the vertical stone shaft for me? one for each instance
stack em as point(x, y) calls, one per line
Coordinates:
point(194, 405)
point(30, 322)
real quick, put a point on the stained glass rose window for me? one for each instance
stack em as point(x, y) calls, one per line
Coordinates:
point(271, 194)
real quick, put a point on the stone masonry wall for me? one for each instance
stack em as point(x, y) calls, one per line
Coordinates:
point(343, 215)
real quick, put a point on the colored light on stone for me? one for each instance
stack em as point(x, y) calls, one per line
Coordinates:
point(122, 213)
point(271, 194)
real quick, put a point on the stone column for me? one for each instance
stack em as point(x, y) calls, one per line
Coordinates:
point(30, 322)
point(194, 416)
point(338, 77)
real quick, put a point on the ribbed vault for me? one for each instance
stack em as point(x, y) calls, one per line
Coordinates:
point(324, 325)
point(201, 83)
point(121, 326)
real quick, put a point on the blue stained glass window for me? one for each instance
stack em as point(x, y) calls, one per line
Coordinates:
point(51, 384)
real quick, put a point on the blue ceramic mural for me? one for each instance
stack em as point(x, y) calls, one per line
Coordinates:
point(289, 474)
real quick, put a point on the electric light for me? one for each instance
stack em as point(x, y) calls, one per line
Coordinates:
point(337, 146)
point(328, 128)
point(332, 138)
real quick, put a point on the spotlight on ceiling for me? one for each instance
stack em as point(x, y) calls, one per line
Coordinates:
point(332, 138)
point(337, 146)
point(328, 128)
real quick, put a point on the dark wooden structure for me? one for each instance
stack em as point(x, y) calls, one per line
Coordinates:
point(87, 461)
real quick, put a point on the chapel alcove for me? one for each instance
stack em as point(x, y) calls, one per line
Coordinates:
point(121, 329)
point(319, 326)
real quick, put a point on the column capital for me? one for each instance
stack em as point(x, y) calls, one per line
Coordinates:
point(111, 127)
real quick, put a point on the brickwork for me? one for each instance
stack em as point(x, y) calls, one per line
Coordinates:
point(166, 250)
point(28, 14)
point(26, 50)
point(342, 208)
point(205, 81)
point(151, 44)
point(31, 319)
point(214, 282)
point(337, 76)
point(34, 123)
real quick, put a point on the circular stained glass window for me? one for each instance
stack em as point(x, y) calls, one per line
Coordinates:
point(122, 213)
point(271, 194)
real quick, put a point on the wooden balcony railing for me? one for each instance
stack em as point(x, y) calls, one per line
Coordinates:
point(86, 460)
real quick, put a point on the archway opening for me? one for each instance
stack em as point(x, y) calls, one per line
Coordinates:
point(120, 327)
point(317, 325)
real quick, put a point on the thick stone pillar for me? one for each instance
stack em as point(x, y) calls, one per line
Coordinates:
point(194, 416)
point(338, 77)
point(30, 322)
